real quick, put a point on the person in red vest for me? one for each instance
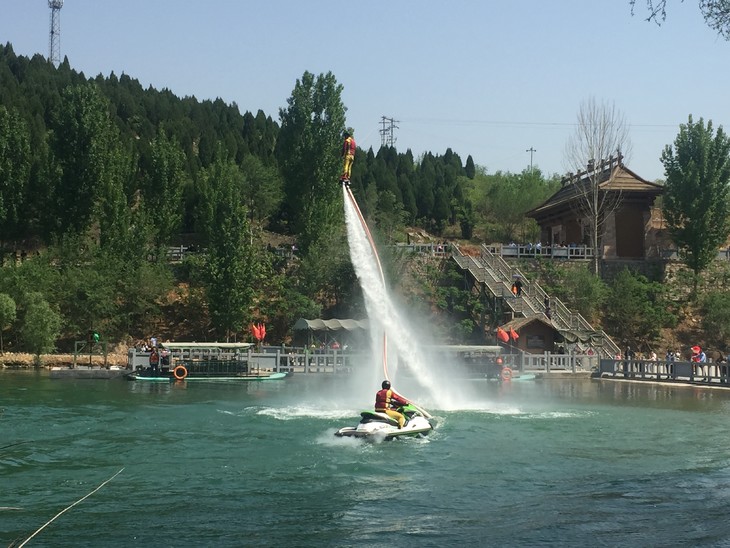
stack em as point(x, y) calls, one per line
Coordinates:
point(348, 156)
point(154, 360)
point(386, 400)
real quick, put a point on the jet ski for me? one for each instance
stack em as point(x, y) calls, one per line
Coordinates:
point(377, 425)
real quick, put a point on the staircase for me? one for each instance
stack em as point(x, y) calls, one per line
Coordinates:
point(496, 276)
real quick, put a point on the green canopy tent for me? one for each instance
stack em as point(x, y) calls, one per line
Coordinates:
point(324, 332)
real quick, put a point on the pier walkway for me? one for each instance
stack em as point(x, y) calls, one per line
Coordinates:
point(707, 374)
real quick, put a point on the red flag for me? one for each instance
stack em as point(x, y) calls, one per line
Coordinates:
point(513, 334)
point(262, 332)
point(255, 332)
point(502, 335)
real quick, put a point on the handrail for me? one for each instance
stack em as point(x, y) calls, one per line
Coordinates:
point(533, 297)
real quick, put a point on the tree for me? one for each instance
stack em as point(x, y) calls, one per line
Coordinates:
point(716, 315)
point(309, 155)
point(15, 163)
point(582, 291)
point(326, 272)
point(715, 12)
point(470, 168)
point(639, 309)
point(390, 216)
point(601, 133)
point(7, 315)
point(231, 262)
point(696, 198)
point(90, 163)
point(122, 230)
point(262, 186)
point(503, 198)
point(163, 186)
point(40, 325)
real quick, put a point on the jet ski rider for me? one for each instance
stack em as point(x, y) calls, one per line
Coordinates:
point(386, 400)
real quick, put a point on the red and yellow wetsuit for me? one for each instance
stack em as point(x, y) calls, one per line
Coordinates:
point(348, 153)
point(385, 399)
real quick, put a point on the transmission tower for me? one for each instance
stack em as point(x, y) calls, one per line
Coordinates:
point(54, 41)
point(387, 135)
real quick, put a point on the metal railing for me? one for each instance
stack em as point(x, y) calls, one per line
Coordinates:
point(530, 251)
point(497, 274)
point(701, 373)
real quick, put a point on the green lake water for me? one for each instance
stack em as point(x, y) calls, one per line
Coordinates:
point(542, 463)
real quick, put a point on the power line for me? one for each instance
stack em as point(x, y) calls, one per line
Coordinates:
point(508, 123)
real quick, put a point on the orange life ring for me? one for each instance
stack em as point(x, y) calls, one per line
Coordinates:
point(180, 372)
point(506, 374)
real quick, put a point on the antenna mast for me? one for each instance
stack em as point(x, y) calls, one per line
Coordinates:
point(54, 41)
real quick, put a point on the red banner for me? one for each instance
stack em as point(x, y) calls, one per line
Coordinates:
point(258, 331)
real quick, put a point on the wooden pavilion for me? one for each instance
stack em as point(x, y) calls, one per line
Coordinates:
point(631, 226)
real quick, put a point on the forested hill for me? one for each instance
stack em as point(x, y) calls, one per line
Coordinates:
point(99, 175)
point(37, 101)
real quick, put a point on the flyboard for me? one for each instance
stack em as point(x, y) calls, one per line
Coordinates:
point(375, 424)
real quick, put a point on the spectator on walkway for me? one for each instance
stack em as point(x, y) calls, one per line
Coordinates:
point(629, 357)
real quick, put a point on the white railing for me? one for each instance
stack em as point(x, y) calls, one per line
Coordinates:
point(530, 251)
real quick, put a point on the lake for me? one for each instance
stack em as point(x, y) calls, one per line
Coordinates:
point(554, 462)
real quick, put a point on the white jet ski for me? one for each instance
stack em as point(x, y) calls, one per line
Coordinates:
point(379, 426)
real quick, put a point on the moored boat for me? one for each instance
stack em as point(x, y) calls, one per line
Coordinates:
point(174, 361)
point(148, 376)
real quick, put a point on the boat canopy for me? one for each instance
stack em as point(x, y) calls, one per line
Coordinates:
point(330, 325)
point(171, 345)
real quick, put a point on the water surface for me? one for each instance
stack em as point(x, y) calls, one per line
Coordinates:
point(569, 463)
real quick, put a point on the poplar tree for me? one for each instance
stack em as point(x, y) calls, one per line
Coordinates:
point(15, 162)
point(231, 266)
point(601, 132)
point(163, 186)
point(696, 198)
point(308, 149)
point(83, 139)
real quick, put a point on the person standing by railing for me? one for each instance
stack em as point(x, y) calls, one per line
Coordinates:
point(629, 357)
point(669, 359)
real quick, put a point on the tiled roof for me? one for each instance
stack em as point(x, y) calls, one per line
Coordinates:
point(614, 176)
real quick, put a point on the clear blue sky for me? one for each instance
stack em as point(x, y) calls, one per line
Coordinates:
point(486, 78)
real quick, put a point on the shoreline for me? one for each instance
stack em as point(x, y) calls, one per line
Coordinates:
point(22, 361)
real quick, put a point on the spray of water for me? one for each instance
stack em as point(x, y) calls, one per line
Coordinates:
point(402, 343)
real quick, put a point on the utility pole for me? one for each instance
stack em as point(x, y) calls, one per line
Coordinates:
point(531, 150)
point(54, 41)
point(387, 135)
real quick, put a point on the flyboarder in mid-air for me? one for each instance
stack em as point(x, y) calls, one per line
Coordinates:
point(348, 156)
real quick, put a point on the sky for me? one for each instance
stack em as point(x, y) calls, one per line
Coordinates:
point(486, 78)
